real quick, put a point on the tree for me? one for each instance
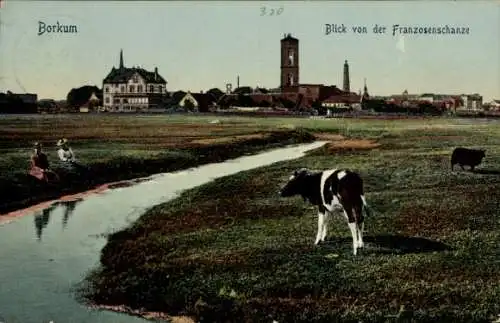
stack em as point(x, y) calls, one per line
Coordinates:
point(178, 95)
point(216, 93)
point(245, 101)
point(189, 106)
point(375, 104)
point(79, 96)
point(321, 109)
point(243, 90)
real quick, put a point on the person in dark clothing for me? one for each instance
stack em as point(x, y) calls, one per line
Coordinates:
point(40, 167)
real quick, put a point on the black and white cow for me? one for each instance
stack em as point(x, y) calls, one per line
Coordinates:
point(339, 190)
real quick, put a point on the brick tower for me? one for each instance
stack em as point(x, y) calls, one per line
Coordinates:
point(289, 64)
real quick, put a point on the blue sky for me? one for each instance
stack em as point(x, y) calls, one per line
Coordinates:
point(200, 45)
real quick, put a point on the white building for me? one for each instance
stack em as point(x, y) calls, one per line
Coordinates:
point(132, 89)
point(472, 101)
point(428, 97)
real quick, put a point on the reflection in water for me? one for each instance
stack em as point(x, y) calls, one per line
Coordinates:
point(44, 290)
point(42, 218)
point(68, 210)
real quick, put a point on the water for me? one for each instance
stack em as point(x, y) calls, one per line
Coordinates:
point(45, 253)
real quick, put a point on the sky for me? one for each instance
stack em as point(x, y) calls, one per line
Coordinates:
point(200, 45)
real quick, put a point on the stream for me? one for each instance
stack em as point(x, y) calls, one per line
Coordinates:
point(48, 250)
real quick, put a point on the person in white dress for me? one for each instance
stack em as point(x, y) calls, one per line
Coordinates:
point(67, 157)
point(64, 152)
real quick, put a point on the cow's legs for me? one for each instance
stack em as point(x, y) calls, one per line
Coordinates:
point(353, 227)
point(321, 222)
point(360, 228)
point(360, 221)
point(326, 218)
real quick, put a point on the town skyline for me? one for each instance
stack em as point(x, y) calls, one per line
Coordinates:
point(191, 58)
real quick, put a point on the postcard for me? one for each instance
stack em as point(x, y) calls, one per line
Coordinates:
point(249, 161)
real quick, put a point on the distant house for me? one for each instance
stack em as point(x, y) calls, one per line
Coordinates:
point(81, 98)
point(28, 98)
point(259, 90)
point(443, 101)
point(495, 105)
point(3, 99)
point(426, 97)
point(198, 102)
point(342, 101)
point(47, 106)
point(18, 103)
point(91, 105)
point(133, 89)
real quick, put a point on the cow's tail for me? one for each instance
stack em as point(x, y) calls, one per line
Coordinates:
point(358, 208)
point(356, 193)
point(366, 207)
point(358, 202)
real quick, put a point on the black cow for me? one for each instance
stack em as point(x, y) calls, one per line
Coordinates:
point(331, 190)
point(469, 157)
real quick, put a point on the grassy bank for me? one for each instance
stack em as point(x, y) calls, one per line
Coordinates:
point(231, 251)
point(119, 148)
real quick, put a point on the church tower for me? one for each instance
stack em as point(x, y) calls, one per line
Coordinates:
point(289, 64)
point(365, 92)
point(347, 83)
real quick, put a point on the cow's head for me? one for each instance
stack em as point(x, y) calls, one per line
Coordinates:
point(295, 184)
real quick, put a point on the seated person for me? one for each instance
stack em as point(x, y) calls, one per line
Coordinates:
point(40, 165)
point(67, 157)
point(65, 153)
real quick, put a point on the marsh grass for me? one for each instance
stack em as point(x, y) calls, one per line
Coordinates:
point(232, 251)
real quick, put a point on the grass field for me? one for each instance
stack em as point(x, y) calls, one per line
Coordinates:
point(119, 147)
point(232, 251)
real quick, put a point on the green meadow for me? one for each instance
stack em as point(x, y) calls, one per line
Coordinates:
point(121, 147)
point(233, 251)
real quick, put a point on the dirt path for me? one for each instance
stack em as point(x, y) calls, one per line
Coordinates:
point(340, 143)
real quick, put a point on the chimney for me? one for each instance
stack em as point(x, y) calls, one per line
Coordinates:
point(156, 73)
point(237, 81)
